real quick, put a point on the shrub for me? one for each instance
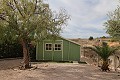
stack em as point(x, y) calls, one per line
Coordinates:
point(13, 50)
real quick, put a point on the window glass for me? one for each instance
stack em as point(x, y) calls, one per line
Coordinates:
point(57, 47)
point(48, 46)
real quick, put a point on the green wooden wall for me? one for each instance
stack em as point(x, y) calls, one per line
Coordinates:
point(70, 51)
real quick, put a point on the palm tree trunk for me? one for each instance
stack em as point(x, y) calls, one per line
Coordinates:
point(105, 65)
point(26, 57)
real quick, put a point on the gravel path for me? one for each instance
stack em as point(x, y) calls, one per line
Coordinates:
point(57, 71)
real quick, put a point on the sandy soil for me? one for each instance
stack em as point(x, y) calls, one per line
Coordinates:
point(9, 63)
point(54, 71)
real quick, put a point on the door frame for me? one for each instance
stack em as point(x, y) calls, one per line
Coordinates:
point(52, 48)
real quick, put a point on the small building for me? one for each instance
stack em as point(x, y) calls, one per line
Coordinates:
point(60, 49)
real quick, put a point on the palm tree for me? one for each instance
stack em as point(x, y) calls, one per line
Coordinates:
point(104, 52)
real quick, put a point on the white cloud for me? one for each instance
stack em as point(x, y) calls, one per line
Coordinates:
point(87, 16)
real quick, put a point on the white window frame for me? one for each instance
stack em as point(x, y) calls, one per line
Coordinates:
point(58, 47)
point(48, 48)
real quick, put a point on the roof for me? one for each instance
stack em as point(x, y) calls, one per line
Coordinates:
point(67, 40)
point(70, 41)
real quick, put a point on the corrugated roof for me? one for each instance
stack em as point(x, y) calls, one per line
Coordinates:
point(70, 41)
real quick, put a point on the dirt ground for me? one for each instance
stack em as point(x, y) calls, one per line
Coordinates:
point(54, 71)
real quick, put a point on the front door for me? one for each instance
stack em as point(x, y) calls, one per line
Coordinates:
point(58, 51)
point(53, 50)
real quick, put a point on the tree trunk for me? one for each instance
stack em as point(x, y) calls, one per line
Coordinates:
point(105, 65)
point(26, 57)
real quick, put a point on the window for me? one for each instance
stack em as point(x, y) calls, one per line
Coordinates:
point(48, 46)
point(57, 47)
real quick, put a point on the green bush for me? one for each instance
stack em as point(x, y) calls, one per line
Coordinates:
point(13, 50)
point(10, 50)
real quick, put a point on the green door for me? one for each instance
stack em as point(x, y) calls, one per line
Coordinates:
point(47, 52)
point(58, 51)
point(53, 50)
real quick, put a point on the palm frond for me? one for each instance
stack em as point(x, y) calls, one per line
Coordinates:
point(103, 51)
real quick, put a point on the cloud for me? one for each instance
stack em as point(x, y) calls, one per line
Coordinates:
point(87, 16)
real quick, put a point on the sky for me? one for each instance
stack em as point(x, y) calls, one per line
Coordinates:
point(87, 16)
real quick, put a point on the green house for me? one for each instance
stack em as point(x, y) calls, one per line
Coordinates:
point(59, 50)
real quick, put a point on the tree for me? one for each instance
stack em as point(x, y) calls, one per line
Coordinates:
point(113, 24)
point(90, 38)
point(103, 37)
point(28, 20)
point(104, 52)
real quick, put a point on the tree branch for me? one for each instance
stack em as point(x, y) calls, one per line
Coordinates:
point(35, 6)
point(11, 5)
point(2, 18)
point(18, 9)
